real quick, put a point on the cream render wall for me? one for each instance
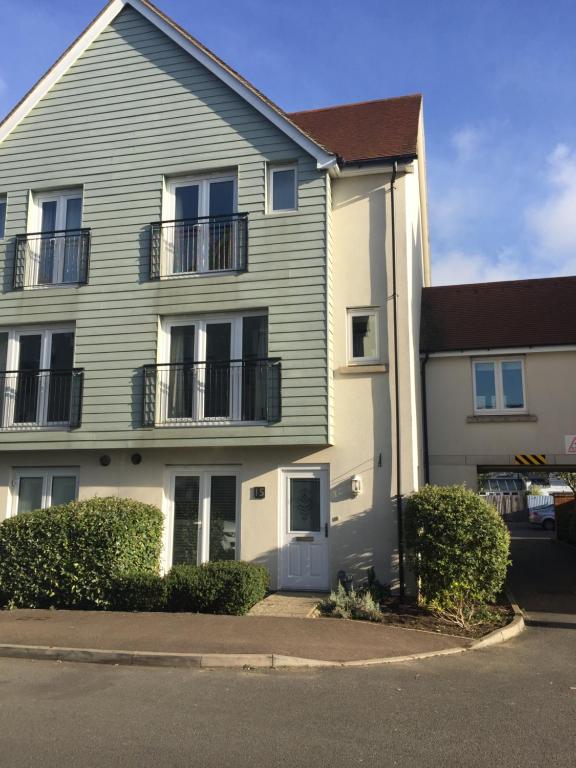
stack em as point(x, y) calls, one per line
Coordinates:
point(457, 447)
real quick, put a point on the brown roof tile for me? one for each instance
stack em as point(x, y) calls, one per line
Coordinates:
point(518, 313)
point(369, 130)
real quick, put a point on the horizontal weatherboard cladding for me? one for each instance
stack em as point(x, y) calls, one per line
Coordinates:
point(134, 109)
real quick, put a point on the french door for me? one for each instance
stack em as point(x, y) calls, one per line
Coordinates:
point(201, 516)
point(212, 373)
point(202, 238)
point(38, 386)
point(57, 254)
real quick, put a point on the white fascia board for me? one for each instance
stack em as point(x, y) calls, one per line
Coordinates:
point(499, 351)
point(324, 159)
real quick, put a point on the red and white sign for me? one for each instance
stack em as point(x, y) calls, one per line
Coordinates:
point(570, 441)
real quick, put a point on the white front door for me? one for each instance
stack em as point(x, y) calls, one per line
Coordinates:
point(304, 536)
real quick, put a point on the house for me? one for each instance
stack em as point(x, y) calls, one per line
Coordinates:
point(499, 365)
point(212, 305)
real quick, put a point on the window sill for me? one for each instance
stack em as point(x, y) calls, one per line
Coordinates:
point(207, 273)
point(501, 418)
point(361, 370)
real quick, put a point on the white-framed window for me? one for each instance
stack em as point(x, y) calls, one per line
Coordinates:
point(499, 386)
point(36, 367)
point(201, 512)
point(200, 231)
point(213, 369)
point(3, 207)
point(56, 246)
point(282, 188)
point(363, 336)
point(39, 488)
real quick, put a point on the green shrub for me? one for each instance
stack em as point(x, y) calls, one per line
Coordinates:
point(228, 587)
point(138, 592)
point(68, 556)
point(457, 545)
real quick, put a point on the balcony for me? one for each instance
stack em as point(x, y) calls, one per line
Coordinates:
point(227, 392)
point(40, 399)
point(198, 246)
point(51, 259)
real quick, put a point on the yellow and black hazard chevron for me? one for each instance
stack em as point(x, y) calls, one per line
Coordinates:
point(529, 459)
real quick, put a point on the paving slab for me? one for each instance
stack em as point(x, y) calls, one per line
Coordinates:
point(296, 605)
point(322, 638)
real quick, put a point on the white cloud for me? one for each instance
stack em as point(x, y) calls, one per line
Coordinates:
point(455, 267)
point(466, 140)
point(553, 222)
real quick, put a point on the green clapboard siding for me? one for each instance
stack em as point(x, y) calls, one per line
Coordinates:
point(134, 108)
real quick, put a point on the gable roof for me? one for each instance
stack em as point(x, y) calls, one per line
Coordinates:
point(252, 95)
point(370, 130)
point(516, 313)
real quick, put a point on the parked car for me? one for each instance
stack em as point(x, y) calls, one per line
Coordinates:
point(544, 516)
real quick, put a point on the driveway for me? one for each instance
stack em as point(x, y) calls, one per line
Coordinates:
point(543, 576)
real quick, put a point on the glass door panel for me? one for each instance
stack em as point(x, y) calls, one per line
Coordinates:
point(254, 352)
point(47, 256)
point(63, 489)
point(222, 517)
point(26, 406)
point(217, 374)
point(60, 381)
point(182, 373)
point(29, 494)
point(70, 270)
point(305, 512)
point(185, 538)
point(186, 233)
point(222, 234)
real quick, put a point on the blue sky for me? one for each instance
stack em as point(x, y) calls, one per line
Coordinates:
point(497, 78)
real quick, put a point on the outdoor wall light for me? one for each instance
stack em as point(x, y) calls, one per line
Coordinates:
point(356, 485)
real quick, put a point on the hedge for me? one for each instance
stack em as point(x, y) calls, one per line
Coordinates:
point(457, 545)
point(228, 587)
point(68, 556)
point(139, 592)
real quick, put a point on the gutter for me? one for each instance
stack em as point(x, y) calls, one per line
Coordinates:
point(424, 395)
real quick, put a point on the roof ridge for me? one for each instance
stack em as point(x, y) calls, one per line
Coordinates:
point(355, 104)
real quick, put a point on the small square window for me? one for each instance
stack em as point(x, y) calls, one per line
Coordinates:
point(2, 216)
point(282, 189)
point(363, 336)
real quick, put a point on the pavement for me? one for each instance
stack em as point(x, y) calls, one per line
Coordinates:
point(543, 576)
point(511, 705)
point(330, 640)
point(296, 605)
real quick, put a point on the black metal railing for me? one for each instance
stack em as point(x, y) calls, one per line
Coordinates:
point(31, 399)
point(51, 258)
point(215, 392)
point(205, 244)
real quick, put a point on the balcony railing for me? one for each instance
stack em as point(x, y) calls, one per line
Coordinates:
point(232, 391)
point(52, 258)
point(35, 399)
point(194, 246)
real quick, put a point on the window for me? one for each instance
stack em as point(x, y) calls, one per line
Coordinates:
point(201, 231)
point(41, 488)
point(3, 204)
point(36, 377)
point(363, 336)
point(499, 385)
point(282, 189)
point(202, 516)
point(214, 369)
point(55, 250)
